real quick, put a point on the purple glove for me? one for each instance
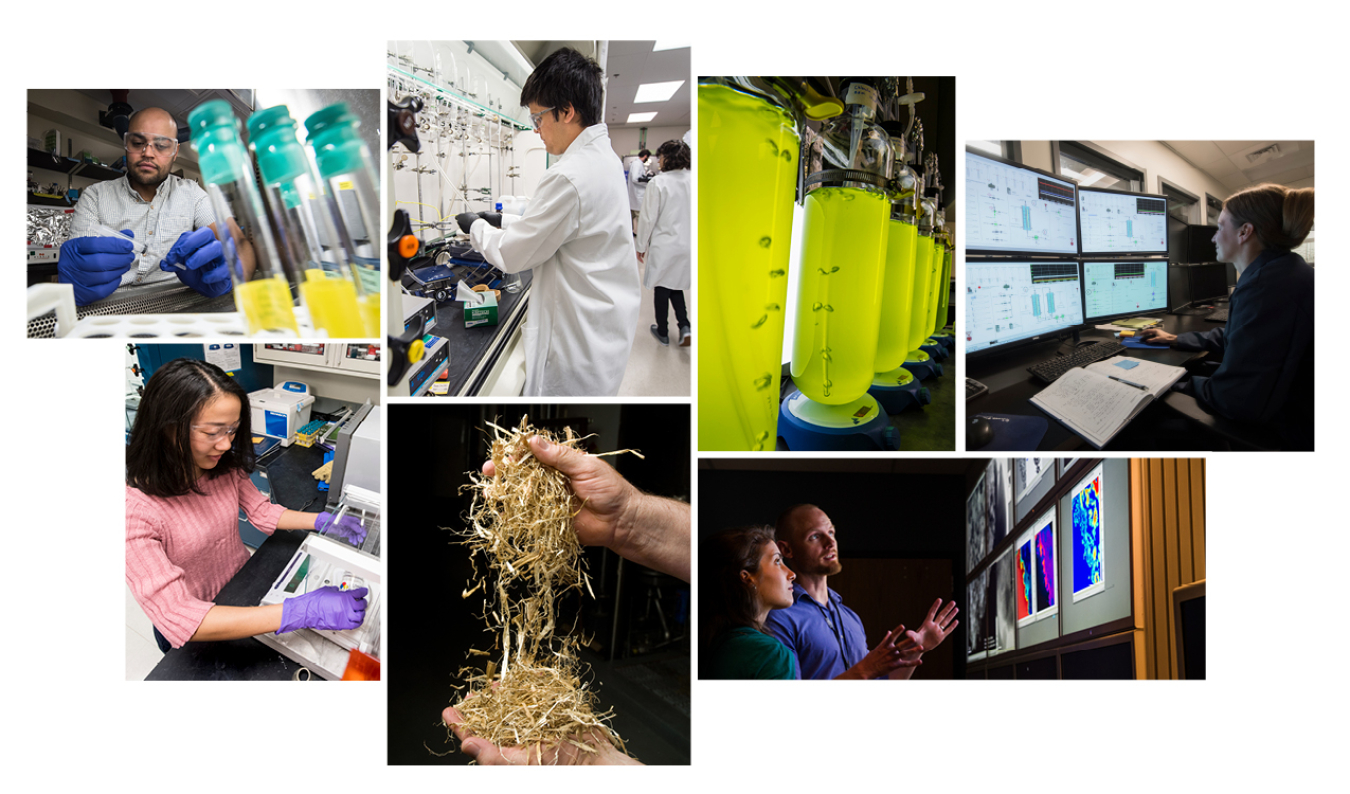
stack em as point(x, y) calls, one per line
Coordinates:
point(94, 265)
point(349, 529)
point(203, 258)
point(325, 608)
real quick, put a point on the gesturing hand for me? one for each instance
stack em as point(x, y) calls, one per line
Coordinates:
point(936, 626)
point(897, 649)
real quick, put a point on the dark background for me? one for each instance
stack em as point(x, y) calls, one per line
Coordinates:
point(431, 627)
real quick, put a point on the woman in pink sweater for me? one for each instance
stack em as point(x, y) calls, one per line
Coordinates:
point(188, 465)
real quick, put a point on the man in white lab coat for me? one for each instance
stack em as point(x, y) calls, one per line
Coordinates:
point(575, 236)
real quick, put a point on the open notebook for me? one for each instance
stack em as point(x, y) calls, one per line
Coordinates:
point(1098, 400)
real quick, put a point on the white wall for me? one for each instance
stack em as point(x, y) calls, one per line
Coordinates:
point(625, 139)
point(1158, 160)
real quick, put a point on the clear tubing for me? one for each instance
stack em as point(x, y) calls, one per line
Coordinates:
point(839, 293)
point(897, 296)
point(944, 289)
point(748, 150)
point(923, 278)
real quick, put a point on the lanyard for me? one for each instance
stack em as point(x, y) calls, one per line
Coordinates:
point(836, 627)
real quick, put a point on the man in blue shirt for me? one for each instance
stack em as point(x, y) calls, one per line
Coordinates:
point(828, 637)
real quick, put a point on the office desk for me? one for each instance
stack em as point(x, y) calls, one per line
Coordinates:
point(1011, 387)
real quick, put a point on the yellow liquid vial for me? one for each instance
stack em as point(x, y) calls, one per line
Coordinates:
point(897, 296)
point(369, 306)
point(839, 293)
point(747, 182)
point(332, 305)
point(266, 305)
point(923, 282)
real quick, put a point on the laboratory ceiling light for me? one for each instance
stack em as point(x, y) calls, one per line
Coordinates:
point(634, 118)
point(657, 92)
point(670, 45)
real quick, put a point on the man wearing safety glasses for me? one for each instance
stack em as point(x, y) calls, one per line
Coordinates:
point(172, 216)
point(575, 237)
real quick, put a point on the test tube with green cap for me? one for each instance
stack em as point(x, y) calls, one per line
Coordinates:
point(307, 235)
point(349, 174)
point(263, 297)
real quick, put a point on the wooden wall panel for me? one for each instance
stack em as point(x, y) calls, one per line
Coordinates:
point(1170, 499)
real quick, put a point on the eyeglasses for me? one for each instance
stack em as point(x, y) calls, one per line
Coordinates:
point(216, 432)
point(535, 118)
point(136, 143)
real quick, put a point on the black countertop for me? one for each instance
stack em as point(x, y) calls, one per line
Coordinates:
point(1011, 386)
point(468, 346)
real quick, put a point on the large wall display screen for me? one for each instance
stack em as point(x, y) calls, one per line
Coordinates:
point(1036, 572)
point(1089, 564)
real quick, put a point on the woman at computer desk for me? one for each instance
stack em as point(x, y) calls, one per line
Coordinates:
point(187, 477)
point(1266, 349)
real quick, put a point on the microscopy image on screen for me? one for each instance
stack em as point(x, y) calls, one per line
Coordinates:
point(998, 501)
point(977, 593)
point(1029, 473)
point(976, 519)
point(1045, 568)
point(1025, 574)
point(1088, 572)
point(1003, 605)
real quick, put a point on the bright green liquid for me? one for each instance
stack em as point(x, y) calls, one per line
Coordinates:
point(839, 294)
point(944, 289)
point(897, 296)
point(747, 182)
point(923, 283)
point(935, 273)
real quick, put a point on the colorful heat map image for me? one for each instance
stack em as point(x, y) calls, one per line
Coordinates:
point(1024, 580)
point(1087, 535)
point(1045, 568)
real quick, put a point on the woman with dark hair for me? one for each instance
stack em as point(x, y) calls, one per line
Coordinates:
point(663, 238)
point(747, 578)
point(188, 466)
point(1266, 372)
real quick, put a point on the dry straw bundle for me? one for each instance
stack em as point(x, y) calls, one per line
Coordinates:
point(521, 523)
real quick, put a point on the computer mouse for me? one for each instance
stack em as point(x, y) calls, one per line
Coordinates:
point(979, 433)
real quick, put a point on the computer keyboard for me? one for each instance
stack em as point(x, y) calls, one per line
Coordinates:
point(974, 388)
point(1050, 370)
point(1219, 315)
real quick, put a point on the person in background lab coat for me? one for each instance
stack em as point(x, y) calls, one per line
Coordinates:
point(637, 184)
point(663, 238)
point(574, 236)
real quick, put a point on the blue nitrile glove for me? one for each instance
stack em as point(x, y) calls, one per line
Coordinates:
point(204, 259)
point(325, 608)
point(348, 528)
point(94, 265)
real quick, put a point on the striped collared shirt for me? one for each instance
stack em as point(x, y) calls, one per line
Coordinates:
point(179, 206)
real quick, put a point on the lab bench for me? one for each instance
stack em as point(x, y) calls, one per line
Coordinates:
point(474, 351)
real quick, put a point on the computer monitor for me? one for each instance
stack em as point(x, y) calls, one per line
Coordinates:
point(1017, 210)
point(1020, 302)
point(1208, 282)
point(1115, 223)
point(1188, 622)
point(1178, 285)
point(1200, 245)
point(1116, 289)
